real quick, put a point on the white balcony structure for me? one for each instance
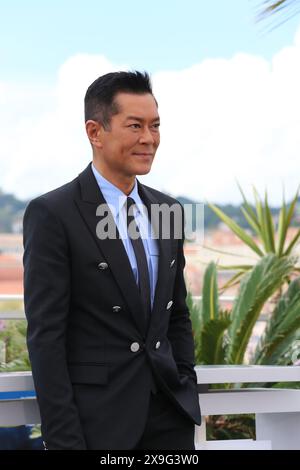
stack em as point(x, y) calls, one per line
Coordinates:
point(277, 411)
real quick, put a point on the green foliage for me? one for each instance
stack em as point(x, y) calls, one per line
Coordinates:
point(230, 427)
point(270, 239)
point(210, 300)
point(13, 341)
point(212, 348)
point(211, 219)
point(223, 337)
point(255, 290)
point(282, 330)
point(35, 431)
point(241, 233)
point(274, 270)
point(194, 308)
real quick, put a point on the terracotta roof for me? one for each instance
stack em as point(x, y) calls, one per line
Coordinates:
point(11, 274)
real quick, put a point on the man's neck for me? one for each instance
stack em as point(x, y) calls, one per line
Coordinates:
point(125, 184)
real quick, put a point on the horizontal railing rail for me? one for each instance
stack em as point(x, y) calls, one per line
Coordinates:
point(12, 314)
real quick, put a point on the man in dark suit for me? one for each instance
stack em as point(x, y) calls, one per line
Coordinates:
point(109, 334)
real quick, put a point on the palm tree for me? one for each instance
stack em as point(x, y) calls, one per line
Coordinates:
point(270, 238)
point(222, 337)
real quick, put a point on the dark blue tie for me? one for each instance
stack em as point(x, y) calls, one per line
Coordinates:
point(141, 259)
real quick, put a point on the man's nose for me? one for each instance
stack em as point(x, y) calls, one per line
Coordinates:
point(147, 136)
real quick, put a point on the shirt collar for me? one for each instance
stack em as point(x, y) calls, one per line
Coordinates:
point(113, 195)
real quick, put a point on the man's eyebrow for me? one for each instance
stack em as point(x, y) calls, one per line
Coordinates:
point(137, 118)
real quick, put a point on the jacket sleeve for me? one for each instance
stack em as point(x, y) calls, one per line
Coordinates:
point(46, 298)
point(180, 327)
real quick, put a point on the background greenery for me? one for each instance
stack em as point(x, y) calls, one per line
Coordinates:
point(13, 349)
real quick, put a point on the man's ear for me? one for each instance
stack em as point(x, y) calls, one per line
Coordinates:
point(94, 131)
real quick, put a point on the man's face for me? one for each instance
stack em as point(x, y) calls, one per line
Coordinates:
point(129, 145)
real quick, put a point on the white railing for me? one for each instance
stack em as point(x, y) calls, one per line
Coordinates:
point(12, 314)
point(277, 411)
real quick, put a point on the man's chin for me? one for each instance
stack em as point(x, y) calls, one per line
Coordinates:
point(144, 170)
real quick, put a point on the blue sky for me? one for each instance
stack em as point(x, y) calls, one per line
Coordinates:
point(38, 35)
point(228, 92)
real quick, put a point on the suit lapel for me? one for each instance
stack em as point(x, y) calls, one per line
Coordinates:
point(112, 249)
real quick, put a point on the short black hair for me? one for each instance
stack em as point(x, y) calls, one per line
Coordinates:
point(99, 102)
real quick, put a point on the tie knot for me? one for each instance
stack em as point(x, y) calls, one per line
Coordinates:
point(130, 202)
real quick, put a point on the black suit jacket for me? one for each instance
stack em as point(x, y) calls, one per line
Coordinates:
point(93, 358)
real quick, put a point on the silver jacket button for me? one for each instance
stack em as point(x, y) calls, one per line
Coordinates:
point(134, 347)
point(157, 346)
point(116, 308)
point(169, 305)
point(172, 263)
point(102, 266)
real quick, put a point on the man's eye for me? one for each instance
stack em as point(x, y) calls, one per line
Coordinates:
point(156, 126)
point(135, 126)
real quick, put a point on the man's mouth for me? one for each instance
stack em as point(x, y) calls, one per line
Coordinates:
point(143, 154)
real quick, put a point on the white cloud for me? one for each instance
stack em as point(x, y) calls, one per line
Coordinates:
point(43, 139)
point(221, 120)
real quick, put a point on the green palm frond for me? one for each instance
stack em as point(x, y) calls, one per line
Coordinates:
point(231, 253)
point(232, 267)
point(212, 349)
point(271, 7)
point(196, 320)
point(285, 218)
point(292, 244)
point(270, 230)
point(260, 220)
point(249, 212)
point(281, 328)
point(210, 300)
point(233, 281)
point(195, 312)
point(282, 228)
point(239, 231)
point(255, 289)
point(250, 221)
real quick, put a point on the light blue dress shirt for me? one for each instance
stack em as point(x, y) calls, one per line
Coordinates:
point(116, 200)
